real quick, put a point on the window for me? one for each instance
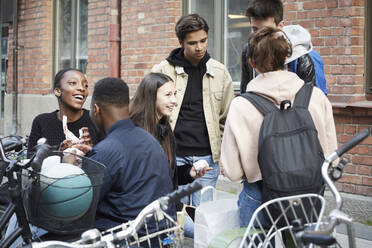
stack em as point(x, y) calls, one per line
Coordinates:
point(368, 50)
point(71, 32)
point(3, 65)
point(228, 30)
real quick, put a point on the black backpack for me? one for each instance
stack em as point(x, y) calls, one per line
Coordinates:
point(289, 152)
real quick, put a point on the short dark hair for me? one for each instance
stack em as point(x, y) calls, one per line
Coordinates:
point(190, 23)
point(263, 9)
point(268, 49)
point(112, 91)
point(59, 76)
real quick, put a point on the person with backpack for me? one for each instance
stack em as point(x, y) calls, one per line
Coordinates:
point(305, 61)
point(277, 134)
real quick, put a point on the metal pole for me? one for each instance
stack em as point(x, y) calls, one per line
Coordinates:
point(15, 69)
point(114, 38)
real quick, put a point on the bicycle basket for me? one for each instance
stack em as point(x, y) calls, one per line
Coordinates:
point(63, 197)
point(279, 229)
point(158, 230)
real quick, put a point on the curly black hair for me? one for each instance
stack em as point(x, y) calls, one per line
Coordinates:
point(111, 90)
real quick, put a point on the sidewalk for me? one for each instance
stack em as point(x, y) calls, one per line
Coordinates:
point(363, 235)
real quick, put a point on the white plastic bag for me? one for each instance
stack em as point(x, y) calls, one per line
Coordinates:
point(214, 217)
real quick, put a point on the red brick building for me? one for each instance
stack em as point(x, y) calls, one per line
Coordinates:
point(126, 38)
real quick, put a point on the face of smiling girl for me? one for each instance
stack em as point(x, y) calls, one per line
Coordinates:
point(73, 90)
point(165, 99)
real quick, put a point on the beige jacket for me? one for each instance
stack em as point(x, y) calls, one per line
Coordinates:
point(217, 95)
point(239, 148)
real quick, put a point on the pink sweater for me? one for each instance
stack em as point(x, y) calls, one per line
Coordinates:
point(239, 147)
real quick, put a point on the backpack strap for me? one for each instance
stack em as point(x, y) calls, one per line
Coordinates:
point(303, 96)
point(261, 103)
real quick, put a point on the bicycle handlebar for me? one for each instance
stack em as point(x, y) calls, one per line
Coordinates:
point(317, 239)
point(344, 148)
point(12, 143)
point(94, 238)
point(162, 203)
point(353, 142)
point(7, 144)
point(42, 151)
point(180, 193)
point(60, 244)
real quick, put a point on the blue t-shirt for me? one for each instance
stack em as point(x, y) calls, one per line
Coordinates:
point(137, 173)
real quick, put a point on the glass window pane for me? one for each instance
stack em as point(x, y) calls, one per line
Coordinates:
point(71, 35)
point(236, 30)
point(236, 35)
point(82, 35)
point(206, 9)
point(64, 34)
point(4, 65)
point(4, 46)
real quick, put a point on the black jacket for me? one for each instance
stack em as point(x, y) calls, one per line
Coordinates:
point(191, 131)
point(305, 69)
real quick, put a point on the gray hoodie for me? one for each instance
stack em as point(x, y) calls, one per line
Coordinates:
point(300, 39)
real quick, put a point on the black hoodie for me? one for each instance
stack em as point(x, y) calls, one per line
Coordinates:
point(191, 130)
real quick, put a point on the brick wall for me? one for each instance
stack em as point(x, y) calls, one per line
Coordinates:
point(358, 174)
point(35, 48)
point(147, 36)
point(337, 30)
point(35, 40)
point(98, 40)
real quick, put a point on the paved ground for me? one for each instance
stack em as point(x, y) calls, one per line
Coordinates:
point(360, 243)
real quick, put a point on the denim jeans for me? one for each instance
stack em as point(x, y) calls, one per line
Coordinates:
point(188, 227)
point(249, 200)
point(209, 179)
point(13, 225)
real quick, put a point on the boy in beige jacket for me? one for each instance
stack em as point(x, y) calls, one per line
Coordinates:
point(239, 150)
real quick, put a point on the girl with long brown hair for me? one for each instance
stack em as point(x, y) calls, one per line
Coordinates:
point(150, 109)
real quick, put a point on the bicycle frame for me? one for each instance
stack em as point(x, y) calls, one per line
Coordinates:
point(336, 216)
point(127, 232)
point(13, 173)
point(313, 232)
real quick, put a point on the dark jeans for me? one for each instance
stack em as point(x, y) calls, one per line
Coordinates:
point(249, 200)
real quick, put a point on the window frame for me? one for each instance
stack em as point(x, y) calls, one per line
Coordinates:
point(220, 49)
point(219, 27)
point(74, 39)
point(3, 66)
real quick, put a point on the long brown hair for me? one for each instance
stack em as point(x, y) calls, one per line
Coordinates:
point(268, 49)
point(143, 110)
